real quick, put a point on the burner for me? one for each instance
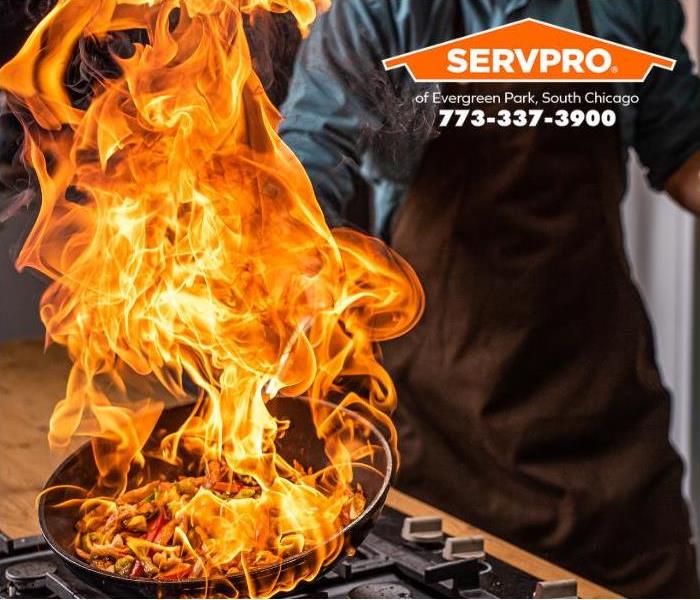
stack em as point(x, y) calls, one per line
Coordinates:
point(30, 575)
point(380, 590)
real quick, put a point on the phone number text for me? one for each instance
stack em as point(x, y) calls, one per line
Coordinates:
point(528, 118)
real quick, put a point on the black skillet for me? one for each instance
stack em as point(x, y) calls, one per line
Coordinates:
point(300, 442)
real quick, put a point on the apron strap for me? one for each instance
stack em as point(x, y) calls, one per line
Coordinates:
point(585, 16)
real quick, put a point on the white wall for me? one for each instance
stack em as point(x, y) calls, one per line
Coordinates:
point(660, 240)
point(662, 246)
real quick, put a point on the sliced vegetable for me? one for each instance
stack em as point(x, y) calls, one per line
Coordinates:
point(102, 551)
point(134, 536)
point(166, 532)
point(228, 487)
point(155, 526)
point(124, 565)
point(137, 569)
point(245, 493)
point(137, 524)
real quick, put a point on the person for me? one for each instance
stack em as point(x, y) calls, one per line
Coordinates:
point(530, 401)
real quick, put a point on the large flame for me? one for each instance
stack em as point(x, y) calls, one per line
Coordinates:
point(183, 238)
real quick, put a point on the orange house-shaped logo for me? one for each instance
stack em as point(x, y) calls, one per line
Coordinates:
point(529, 50)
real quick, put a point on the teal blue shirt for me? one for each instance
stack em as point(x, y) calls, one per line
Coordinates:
point(358, 133)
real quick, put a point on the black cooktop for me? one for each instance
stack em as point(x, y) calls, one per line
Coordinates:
point(385, 566)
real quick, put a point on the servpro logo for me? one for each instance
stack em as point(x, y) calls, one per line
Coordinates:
point(505, 60)
point(529, 50)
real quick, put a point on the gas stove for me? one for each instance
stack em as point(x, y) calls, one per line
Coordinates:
point(403, 557)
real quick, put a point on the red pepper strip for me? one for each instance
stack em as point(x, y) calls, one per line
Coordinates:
point(178, 572)
point(137, 569)
point(166, 532)
point(155, 526)
point(231, 488)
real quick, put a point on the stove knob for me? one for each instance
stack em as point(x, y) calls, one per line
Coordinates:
point(422, 530)
point(566, 588)
point(471, 547)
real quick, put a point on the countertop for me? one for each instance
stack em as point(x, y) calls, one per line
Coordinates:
point(32, 380)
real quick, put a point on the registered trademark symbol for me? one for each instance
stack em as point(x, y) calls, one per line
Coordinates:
point(614, 69)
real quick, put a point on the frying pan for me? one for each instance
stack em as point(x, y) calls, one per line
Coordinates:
point(300, 442)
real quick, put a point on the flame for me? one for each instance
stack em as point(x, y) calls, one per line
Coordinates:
point(183, 238)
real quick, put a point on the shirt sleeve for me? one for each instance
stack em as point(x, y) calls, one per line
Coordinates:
point(667, 130)
point(328, 113)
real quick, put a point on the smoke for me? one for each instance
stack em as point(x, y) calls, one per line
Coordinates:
point(35, 10)
point(405, 124)
point(274, 39)
point(396, 126)
point(18, 187)
point(94, 62)
point(24, 13)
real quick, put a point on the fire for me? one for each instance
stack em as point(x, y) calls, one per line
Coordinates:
point(183, 239)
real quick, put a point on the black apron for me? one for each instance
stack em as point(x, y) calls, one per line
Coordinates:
point(530, 403)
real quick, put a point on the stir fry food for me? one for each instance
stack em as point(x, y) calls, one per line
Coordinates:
point(150, 531)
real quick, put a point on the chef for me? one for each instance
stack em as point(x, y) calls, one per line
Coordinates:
point(530, 400)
